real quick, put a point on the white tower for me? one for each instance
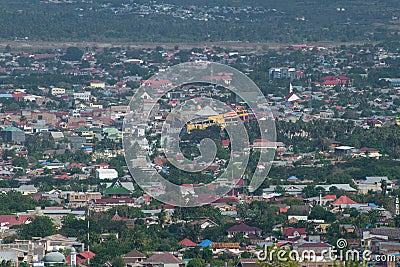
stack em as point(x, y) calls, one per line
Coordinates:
point(73, 257)
point(397, 206)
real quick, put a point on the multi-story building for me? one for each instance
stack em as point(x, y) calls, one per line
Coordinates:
point(280, 73)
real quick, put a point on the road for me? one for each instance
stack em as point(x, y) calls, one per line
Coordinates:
point(231, 45)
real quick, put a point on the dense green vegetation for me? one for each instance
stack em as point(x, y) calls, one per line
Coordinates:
point(15, 202)
point(307, 136)
point(283, 21)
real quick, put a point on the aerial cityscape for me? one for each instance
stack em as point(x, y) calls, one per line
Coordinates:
point(212, 133)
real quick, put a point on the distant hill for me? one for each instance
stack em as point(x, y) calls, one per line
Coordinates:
point(290, 21)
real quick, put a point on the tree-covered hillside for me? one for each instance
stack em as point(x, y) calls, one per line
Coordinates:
point(292, 21)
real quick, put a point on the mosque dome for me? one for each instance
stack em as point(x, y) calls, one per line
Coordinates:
point(54, 257)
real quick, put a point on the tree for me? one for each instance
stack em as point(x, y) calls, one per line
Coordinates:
point(280, 190)
point(20, 162)
point(320, 213)
point(118, 262)
point(73, 54)
point(7, 49)
point(384, 187)
point(15, 202)
point(397, 221)
point(5, 263)
point(71, 226)
point(247, 255)
point(196, 262)
point(41, 226)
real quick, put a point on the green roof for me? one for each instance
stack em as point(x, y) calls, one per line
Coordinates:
point(111, 131)
point(11, 129)
point(116, 190)
point(81, 129)
point(95, 129)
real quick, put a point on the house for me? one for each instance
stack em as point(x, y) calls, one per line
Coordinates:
point(82, 197)
point(322, 228)
point(331, 81)
point(106, 174)
point(97, 84)
point(118, 189)
point(344, 150)
point(243, 229)
point(57, 136)
point(294, 232)
point(207, 223)
point(133, 258)
point(27, 189)
point(318, 248)
point(293, 179)
point(82, 95)
point(187, 243)
point(387, 233)
point(7, 221)
point(128, 221)
point(84, 257)
point(370, 152)
point(229, 247)
point(163, 259)
point(13, 134)
point(294, 190)
point(374, 184)
point(296, 218)
point(283, 72)
point(263, 143)
point(346, 228)
point(58, 241)
point(344, 202)
point(57, 91)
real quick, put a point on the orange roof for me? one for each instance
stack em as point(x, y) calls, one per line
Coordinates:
point(87, 254)
point(284, 210)
point(344, 200)
point(187, 243)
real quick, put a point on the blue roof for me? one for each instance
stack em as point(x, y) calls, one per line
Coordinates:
point(6, 96)
point(205, 243)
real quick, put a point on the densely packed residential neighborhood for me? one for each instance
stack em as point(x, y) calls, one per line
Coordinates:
point(68, 199)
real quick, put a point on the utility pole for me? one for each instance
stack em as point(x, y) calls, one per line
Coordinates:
point(88, 230)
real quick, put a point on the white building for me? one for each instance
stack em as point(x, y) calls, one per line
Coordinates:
point(374, 184)
point(57, 91)
point(106, 174)
point(82, 95)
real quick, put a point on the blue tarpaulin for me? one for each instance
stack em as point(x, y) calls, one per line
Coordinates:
point(205, 243)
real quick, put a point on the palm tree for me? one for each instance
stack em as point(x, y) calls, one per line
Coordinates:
point(384, 187)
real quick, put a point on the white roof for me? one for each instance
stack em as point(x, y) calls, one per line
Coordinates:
point(344, 187)
point(375, 179)
point(106, 171)
point(57, 134)
point(207, 111)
